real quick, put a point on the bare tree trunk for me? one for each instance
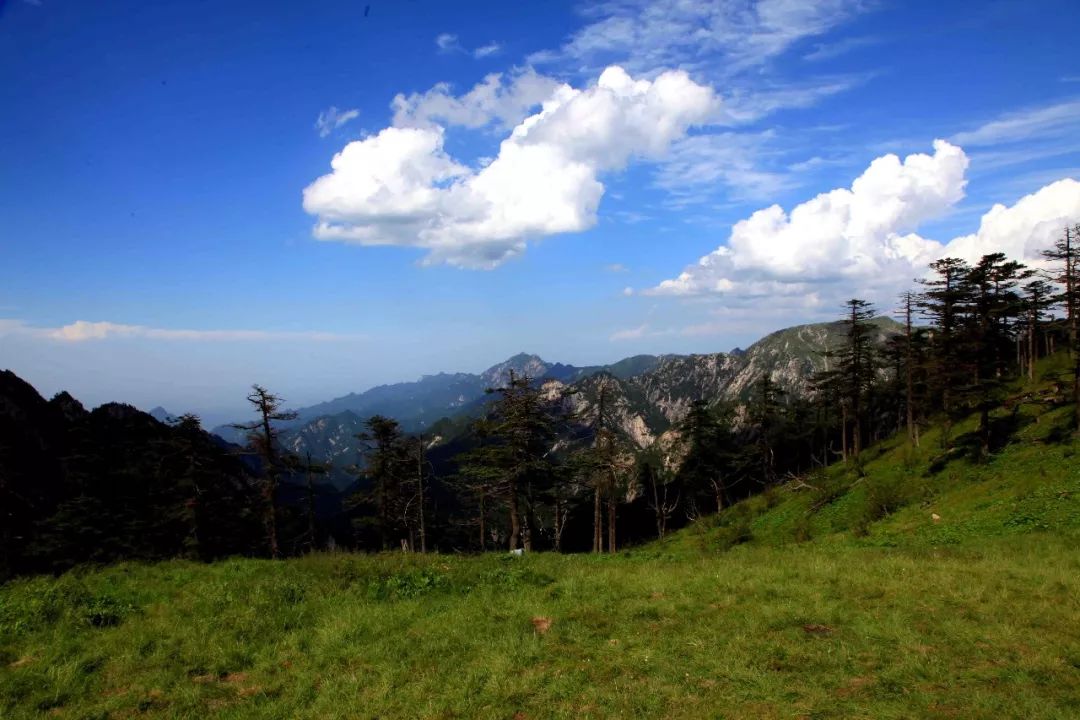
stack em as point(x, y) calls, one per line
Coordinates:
point(515, 516)
point(909, 363)
point(483, 530)
point(530, 518)
point(1031, 348)
point(559, 521)
point(598, 537)
point(420, 489)
point(843, 433)
point(658, 508)
point(611, 522)
point(270, 513)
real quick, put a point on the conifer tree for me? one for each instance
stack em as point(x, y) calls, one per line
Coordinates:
point(520, 428)
point(705, 468)
point(994, 306)
point(604, 464)
point(1038, 298)
point(263, 438)
point(1066, 251)
point(765, 419)
point(386, 465)
point(911, 362)
point(945, 302)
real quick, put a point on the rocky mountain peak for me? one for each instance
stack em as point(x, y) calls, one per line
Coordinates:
point(68, 406)
point(521, 364)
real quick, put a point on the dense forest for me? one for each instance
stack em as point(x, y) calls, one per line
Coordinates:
point(527, 470)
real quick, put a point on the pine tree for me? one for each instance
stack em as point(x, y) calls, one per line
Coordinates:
point(912, 359)
point(663, 493)
point(1038, 298)
point(765, 416)
point(604, 464)
point(708, 455)
point(1067, 253)
point(519, 431)
point(263, 438)
point(994, 306)
point(945, 302)
point(386, 465)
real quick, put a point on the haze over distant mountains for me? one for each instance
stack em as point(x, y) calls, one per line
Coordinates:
point(648, 393)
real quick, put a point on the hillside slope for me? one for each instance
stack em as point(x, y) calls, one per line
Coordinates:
point(925, 585)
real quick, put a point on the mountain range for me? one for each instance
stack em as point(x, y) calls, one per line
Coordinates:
point(647, 394)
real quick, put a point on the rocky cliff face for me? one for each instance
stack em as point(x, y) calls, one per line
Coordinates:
point(646, 396)
point(648, 406)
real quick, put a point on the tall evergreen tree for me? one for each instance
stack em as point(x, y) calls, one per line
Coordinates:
point(708, 467)
point(263, 438)
point(912, 360)
point(945, 302)
point(1038, 299)
point(765, 420)
point(386, 467)
point(520, 430)
point(1066, 251)
point(994, 306)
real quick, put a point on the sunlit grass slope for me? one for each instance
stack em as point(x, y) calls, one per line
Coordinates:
point(926, 585)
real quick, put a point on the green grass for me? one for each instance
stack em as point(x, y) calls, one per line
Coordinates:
point(845, 599)
point(801, 631)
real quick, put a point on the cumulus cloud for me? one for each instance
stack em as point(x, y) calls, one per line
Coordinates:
point(84, 330)
point(332, 118)
point(500, 99)
point(1025, 229)
point(864, 238)
point(857, 231)
point(400, 187)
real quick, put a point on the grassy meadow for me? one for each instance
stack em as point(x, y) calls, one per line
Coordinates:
point(928, 585)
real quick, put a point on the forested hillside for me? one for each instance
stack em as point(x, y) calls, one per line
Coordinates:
point(593, 461)
point(923, 582)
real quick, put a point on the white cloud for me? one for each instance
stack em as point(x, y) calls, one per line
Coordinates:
point(737, 34)
point(401, 188)
point(862, 240)
point(447, 42)
point(498, 98)
point(863, 231)
point(1034, 123)
point(1027, 228)
point(84, 330)
point(487, 50)
point(332, 118)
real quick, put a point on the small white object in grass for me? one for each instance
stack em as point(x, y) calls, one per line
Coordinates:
point(935, 517)
point(517, 551)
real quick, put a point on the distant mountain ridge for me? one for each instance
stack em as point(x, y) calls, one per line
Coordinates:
point(648, 394)
point(417, 405)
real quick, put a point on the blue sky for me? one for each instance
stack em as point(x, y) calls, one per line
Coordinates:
point(171, 228)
